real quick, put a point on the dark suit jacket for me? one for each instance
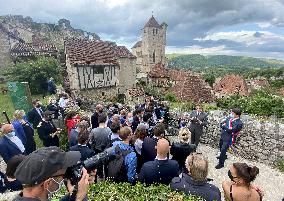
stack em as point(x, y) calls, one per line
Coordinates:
point(34, 117)
point(180, 152)
point(94, 120)
point(226, 133)
point(158, 171)
point(148, 151)
point(85, 151)
point(195, 126)
point(8, 149)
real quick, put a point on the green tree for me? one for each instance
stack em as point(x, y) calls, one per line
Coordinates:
point(35, 72)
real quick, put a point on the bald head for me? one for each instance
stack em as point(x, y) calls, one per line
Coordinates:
point(163, 147)
point(7, 128)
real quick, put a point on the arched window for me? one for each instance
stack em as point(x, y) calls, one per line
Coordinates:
point(154, 55)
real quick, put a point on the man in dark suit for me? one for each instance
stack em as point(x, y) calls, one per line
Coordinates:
point(82, 147)
point(137, 118)
point(47, 132)
point(162, 170)
point(95, 116)
point(148, 151)
point(230, 128)
point(10, 143)
point(198, 120)
point(36, 114)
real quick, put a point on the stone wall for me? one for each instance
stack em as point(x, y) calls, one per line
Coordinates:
point(261, 141)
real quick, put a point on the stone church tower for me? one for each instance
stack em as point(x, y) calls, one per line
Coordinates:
point(151, 49)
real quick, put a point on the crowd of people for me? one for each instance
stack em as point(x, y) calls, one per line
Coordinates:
point(140, 151)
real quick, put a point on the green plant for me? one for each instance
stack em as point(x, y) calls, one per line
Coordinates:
point(280, 164)
point(260, 103)
point(107, 190)
point(170, 97)
point(36, 72)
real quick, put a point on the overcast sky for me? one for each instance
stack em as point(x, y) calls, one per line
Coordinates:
point(231, 27)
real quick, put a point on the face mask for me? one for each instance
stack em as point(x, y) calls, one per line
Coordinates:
point(230, 175)
point(38, 106)
point(130, 120)
point(51, 193)
point(231, 115)
point(11, 134)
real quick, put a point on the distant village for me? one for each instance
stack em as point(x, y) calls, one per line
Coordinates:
point(102, 70)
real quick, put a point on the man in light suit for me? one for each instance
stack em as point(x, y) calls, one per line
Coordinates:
point(198, 120)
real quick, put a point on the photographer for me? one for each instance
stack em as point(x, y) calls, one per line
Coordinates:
point(42, 174)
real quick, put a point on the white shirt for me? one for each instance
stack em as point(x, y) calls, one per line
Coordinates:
point(62, 103)
point(13, 138)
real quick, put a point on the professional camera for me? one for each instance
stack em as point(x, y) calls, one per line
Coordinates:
point(74, 173)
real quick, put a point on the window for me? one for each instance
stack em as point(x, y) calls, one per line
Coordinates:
point(154, 56)
point(98, 70)
point(103, 93)
point(154, 32)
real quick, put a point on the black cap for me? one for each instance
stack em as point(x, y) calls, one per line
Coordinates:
point(48, 112)
point(43, 163)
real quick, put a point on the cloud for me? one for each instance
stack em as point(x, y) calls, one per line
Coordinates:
point(121, 20)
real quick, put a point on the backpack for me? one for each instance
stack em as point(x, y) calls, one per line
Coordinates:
point(116, 168)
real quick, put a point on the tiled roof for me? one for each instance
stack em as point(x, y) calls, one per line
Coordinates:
point(138, 44)
point(33, 49)
point(84, 51)
point(191, 87)
point(152, 22)
point(158, 70)
point(231, 84)
point(135, 92)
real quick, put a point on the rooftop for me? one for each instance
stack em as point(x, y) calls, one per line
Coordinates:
point(84, 51)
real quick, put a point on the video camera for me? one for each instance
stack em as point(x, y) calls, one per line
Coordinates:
point(74, 173)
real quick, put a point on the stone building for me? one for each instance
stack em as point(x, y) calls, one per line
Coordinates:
point(229, 85)
point(151, 49)
point(257, 83)
point(159, 76)
point(184, 84)
point(99, 69)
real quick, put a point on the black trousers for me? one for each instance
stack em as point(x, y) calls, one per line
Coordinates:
point(224, 145)
point(195, 136)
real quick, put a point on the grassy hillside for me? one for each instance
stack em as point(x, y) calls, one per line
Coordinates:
point(196, 61)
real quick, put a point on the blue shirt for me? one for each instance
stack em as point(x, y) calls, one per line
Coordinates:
point(130, 160)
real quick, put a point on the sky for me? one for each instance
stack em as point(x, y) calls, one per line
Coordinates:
point(210, 27)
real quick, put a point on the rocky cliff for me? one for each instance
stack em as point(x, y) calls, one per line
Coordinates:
point(16, 28)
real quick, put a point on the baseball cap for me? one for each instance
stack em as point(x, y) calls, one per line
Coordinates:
point(48, 112)
point(43, 163)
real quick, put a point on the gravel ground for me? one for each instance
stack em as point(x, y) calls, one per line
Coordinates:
point(270, 180)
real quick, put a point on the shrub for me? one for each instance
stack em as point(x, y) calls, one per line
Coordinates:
point(280, 164)
point(170, 97)
point(107, 190)
point(36, 72)
point(259, 103)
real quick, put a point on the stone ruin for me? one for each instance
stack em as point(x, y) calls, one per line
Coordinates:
point(230, 85)
point(186, 85)
point(258, 141)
